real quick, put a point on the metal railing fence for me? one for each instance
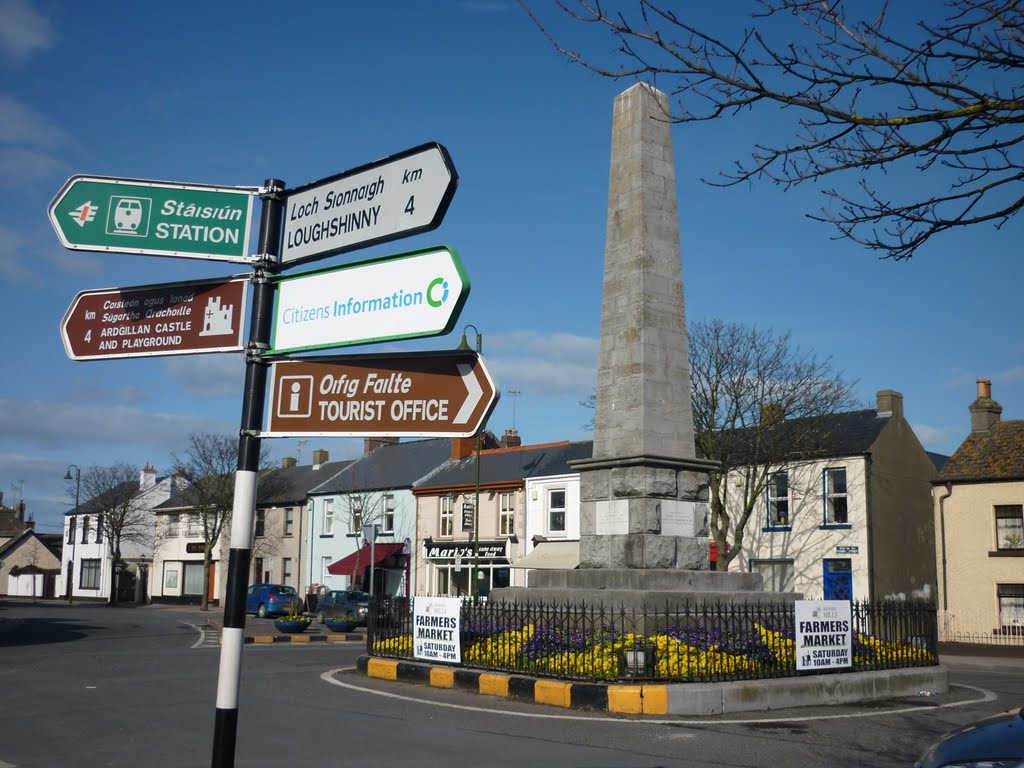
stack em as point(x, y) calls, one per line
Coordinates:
point(705, 641)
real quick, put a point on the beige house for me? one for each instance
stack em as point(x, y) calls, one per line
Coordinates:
point(30, 565)
point(979, 523)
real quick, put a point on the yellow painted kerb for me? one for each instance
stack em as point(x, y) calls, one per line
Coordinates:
point(263, 639)
point(494, 685)
point(552, 692)
point(442, 678)
point(384, 669)
point(625, 699)
point(655, 699)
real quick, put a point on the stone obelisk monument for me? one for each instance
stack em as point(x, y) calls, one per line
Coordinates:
point(644, 492)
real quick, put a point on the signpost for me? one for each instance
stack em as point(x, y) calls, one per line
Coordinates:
point(406, 296)
point(147, 320)
point(425, 394)
point(397, 196)
point(158, 218)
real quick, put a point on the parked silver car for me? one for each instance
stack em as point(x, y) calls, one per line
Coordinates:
point(343, 604)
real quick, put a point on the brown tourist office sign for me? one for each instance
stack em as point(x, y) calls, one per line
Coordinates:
point(167, 319)
point(425, 394)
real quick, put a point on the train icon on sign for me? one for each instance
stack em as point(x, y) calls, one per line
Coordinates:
point(294, 397)
point(129, 216)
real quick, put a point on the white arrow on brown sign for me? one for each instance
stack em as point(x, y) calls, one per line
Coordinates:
point(426, 394)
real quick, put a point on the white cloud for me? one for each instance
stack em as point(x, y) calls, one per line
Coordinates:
point(53, 425)
point(12, 261)
point(28, 164)
point(937, 439)
point(208, 376)
point(20, 124)
point(24, 31)
point(544, 364)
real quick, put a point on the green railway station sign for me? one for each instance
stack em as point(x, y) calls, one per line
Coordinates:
point(155, 218)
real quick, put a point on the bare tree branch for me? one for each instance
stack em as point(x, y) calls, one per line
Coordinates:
point(863, 99)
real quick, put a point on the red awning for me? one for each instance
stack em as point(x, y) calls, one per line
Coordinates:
point(347, 565)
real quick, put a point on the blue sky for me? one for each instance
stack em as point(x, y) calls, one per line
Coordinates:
point(232, 94)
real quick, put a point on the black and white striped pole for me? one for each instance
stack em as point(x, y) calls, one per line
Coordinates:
point(225, 726)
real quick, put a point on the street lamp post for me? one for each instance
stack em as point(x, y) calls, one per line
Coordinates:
point(474, 579)
point(74, 537)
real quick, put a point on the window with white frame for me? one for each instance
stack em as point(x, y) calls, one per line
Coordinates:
point(325, 563)
point(778, 499)
point(90, 575)
point(1010, 526)
point(777, 574)
point(1011, 607)
point(85, 529)
point(286, 569)
point(194, 525)
point(71, 530)
point(289, 521)
point(261, 523)
point(388, 521)
point(174, 525)
point(328, 525)
point(556, 510)
point(355, 506)
point(506, 514)
point(99, 529)
point(836, 510)
point(447, 516)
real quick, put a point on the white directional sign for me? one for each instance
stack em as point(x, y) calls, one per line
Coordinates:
point(395, 197)
point(407, 296)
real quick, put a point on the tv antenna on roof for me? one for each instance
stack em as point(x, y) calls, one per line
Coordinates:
point(515, 395)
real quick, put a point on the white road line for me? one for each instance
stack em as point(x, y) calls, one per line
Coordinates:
point(985, 696)
point(198, 643)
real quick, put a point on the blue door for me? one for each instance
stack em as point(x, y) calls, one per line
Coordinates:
point(838, 580)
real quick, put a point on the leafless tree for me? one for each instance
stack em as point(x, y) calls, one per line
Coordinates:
point(943, 98)
point(122, 517)
point(207, 470)
point(759, 403)
point(358, 508)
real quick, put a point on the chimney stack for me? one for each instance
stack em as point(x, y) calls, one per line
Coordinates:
point(147, 477)
point(511, 439)
point(889, 402)
point(371, 444)
point(20, 506)
point(462, 447)
point(772, 413)
point(288, 462)
point(985, 411)
point(320, 456)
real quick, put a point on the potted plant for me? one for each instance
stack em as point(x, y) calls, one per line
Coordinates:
point(341, 623)
point(293, 621)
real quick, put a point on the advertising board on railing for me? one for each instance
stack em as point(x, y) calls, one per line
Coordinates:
point(436, 629)
point(823, 638)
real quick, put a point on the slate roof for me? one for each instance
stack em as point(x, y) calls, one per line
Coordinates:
point(828, 436)
point(390, 467)
point(504, 465)
point(131, 489)
point(997, 454)
point(291, 485)
point(53, 542)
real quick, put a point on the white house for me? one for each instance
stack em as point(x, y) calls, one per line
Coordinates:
point(86, 551)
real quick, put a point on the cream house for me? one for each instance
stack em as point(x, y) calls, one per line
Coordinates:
point(979, 519)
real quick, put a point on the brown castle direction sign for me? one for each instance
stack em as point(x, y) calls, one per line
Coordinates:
point(148, 320)
point(427, 394)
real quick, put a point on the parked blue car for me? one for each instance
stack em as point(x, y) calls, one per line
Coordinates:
point(269, 599)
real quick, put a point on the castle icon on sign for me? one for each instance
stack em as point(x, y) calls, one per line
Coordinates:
point(217, 319)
